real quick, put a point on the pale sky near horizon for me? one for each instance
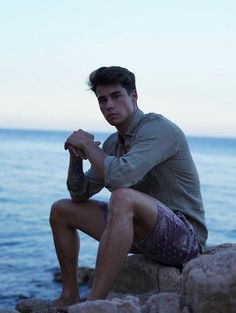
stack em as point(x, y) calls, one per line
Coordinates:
point(182, 53)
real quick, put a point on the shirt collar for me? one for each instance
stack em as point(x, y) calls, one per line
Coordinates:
point(138, 115)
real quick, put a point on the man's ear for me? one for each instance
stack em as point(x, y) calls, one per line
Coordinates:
point(134, 95)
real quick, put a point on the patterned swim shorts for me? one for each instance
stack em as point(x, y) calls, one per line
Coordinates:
point(172, 241)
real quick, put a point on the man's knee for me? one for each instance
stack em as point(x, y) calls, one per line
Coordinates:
point(57, 210)
point(121, 201)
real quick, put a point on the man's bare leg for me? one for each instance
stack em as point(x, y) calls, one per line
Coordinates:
point(132, 215)
point(66, 216)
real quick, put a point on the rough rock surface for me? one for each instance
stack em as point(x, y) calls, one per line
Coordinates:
point(165, 302)
point(85, 276)
point(207, 284)
point(34, 306)
point(127, 305)
point(141, 275)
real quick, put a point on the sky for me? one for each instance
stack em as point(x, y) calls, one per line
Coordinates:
point(181, 51)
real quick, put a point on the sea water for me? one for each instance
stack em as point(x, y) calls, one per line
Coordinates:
point(33, 170)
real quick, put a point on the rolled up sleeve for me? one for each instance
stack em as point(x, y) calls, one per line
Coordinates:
point(81, 194)
point(153, 143)
point(118, 172)
point(90, 186)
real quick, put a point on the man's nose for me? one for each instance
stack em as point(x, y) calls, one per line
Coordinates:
point(110, 104)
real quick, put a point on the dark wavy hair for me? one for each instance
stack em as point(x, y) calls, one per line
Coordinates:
point(112, 75)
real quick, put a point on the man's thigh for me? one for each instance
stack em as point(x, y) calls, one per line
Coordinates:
point(138, 205)
point(169, 238)
point(85, 216)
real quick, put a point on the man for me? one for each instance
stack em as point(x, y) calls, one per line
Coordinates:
point(155, 206)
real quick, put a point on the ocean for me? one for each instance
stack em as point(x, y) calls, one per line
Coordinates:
point(33, 170)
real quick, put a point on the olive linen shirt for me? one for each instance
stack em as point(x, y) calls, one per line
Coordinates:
point(153, 157)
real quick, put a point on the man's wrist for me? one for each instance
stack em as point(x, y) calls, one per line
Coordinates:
point(76, 162)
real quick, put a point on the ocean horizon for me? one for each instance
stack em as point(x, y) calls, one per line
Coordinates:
point(33, 170)
point(69, 131)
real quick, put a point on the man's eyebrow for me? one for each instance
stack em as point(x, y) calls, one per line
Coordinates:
point(101, 97)
point(115, 93)
point(111, 94)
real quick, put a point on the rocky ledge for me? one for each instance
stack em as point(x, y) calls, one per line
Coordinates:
point(206, 284)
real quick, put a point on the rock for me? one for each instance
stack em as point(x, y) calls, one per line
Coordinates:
point(166, 302)
point(169, 302)
point(219, 248)
point(141, 297)
point(85, 276)
point(168, 279)
point(185, 309)
point(127, 305)
point(208, 283)
point(141, 275)
point(34, 306)
point(98, 306)
point(128, 299)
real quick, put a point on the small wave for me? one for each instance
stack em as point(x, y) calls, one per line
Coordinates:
point(9, 300)
point(52, 270)
point(9, 200)
point(11, 243)
point(4, 200)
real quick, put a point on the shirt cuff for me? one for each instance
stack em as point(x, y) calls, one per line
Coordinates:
point(77, 195)
point(107, 165)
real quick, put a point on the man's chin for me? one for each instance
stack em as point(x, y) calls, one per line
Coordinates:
point(113, 122)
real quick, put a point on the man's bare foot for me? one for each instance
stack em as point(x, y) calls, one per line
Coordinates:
point(61, 304)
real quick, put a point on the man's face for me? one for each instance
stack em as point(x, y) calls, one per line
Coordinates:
point(116, 104)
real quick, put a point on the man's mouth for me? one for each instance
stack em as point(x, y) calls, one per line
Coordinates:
point(112, 115)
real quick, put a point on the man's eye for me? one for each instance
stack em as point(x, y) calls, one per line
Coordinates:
point(116, 96)
point(102, 101)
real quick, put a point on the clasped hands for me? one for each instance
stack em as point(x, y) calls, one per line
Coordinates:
point(77, 143)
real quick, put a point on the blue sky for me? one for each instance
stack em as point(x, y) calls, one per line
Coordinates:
point(182, 52)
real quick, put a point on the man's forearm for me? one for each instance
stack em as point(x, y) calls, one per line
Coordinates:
point(75, 177)
point(96, 157)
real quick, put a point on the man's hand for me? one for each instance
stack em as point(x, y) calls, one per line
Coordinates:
point(75, 153)
point(77, 142)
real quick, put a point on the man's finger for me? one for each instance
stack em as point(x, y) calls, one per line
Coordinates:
point(86, 133)
point(97, 143)
point(82, 155)
point(73, 151)
point(66, 145)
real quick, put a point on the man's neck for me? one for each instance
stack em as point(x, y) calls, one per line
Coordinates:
point(123, 127)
